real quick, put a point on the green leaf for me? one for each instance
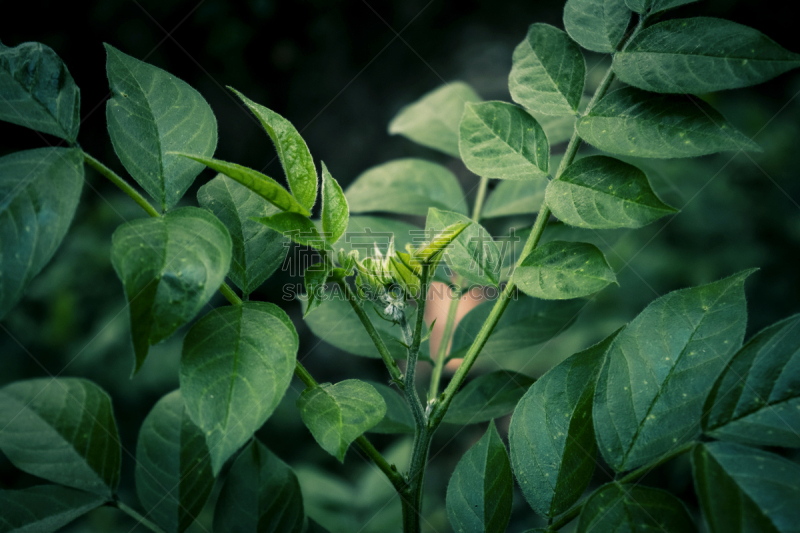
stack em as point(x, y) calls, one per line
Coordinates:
point(335, 212)
point(62, 430)
point(364, 234)
point(257, 250)
point(473, 253)
point(292, 151)
point(237, 364)
point(44, 508)
point(756, 400)
point(639, 124)
point(173, 470)
point(615, 507)
point(701, 55)
point(601, 192)
point(442, 237)
point(655, 6)
point(406, 186)
point(38, 92)
point(487, 397)
point(151, 114)
point(480, 490)
point(744, 490)
point(297, 227)
point(315, 277)
point(502, 141)
point(552, 442)
point(170, 267)
point(547, 72)
point(261, 495)
point(515, 198)
point(597, 25)
point(561, 270)
point(338, 414)
point(433, 120)
point(650, 391)
point(264, 186)
point(398, 418)
point(40, 190)
point(525, 323)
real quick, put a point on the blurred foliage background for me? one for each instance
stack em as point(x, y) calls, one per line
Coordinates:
point(340, 70)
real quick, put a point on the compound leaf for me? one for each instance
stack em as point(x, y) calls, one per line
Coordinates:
point(335, 212)
point(597, 25)
point(515, 198)
point(655, 6)
point(487, 397)
point(616, 507)
point(44, 508)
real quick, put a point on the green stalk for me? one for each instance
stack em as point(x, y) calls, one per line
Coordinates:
point(136, 516)
point(121, 183)
point(441, 355)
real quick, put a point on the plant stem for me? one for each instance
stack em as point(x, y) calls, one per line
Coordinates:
point(441, 355)
point(121, 183)
point(479, 198)
point(136, 516)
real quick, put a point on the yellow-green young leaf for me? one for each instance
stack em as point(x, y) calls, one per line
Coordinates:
point(515, 198)
point(561, 270)
point(173, 469)
point(745, 490)
point(264, 186)
point(547, 72)
point(640, 124)
point(552, 442)
point(38, 92)
point(432, 120)
point(756, 400)
point(654, 6)
point(406, 186)
point(366, 234)
point(257, 250)
point(315, 277)
point(487, 397)
point(170, 267)
point(480, 491)
point(62, 430)
point(398, 418)
point(701, 55)
point(601, 192)
point(616, 507)
point(597, 25)
point(152, 114)
point(338, 414)
point(295, 226)
point(40, 190)
point(44, 508)
point(501, 140)
point(292, 151)
point(657, 374)
point(335, 212)
point(470, 251)
point(406, 271)
point(236, 365)
point(261, 495)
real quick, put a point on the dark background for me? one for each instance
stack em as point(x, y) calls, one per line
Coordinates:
point(339, 72)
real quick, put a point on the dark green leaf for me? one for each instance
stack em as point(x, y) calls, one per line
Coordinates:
point(654, 6)
point(744, 490)
point(634, 509)
point(597, 25)
point(257, 250)
point(487, 397)
point(501, 140)
point(398, 417)
point(40, 190)
point(264, 186)
point(658, 372)
point(315, 277)
point(406, 186)
point(640, 124)
point(561, 270)
point(433, 120)
point(552, 442)
point(38, 92)
point(338, 414)
point(515, 198)
point(236, 365)
point(525, 323)
point(547, 72)
point(62, 430)
point(473, 253)
point(335, 212)
point(170, 267)
point(756, 400)
point(173, 470)
point(480, 490)
point(601, 192)
point(260, 495)
point(150, 115)
point(295, 226)
point(43, 508)
point(701, 55)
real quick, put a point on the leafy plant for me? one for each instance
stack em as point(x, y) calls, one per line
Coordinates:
point(676, 380)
